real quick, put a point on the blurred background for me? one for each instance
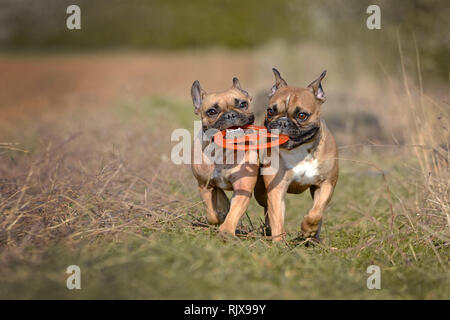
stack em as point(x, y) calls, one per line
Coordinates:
point(140, 48)
point(85, 123)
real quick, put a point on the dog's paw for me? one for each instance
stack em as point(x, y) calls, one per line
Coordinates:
point(226, 234)
point(310, 229)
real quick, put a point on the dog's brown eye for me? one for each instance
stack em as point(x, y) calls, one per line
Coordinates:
point(270, 112)
point(211, 112)
point(302, 116)
point(243, 105)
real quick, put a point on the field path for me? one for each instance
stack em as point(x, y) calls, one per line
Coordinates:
point(33, 85)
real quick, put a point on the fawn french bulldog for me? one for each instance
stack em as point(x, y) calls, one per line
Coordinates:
point(221, 111)
point(308, 160)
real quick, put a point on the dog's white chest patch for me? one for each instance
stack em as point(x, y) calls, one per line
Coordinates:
point(306, 172)
point(304, 167)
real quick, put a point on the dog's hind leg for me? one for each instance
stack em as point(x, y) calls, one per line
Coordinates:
point(216, 204)
point(261, 198)
point(221, 203)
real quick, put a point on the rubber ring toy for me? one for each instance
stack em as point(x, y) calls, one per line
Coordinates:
point(242, 143)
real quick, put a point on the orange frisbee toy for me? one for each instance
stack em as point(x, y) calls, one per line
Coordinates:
point(250, 141)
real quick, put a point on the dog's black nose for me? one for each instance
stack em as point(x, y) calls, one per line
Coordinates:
point(283, 122)
point(231, 115)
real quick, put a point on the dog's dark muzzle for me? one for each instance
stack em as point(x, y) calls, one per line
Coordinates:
point(233, 119)
point(297, 135)
point(284, 126)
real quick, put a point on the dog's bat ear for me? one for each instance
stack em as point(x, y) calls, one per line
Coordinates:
point(279, 82)
point(316, 87)
point(237, 85)
point(197, 94)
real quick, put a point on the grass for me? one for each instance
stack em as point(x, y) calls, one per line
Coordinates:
point(177, 265)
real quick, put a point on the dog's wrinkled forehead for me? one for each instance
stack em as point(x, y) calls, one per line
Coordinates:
point(225, 99)
point(221, 101)
point(288, 99)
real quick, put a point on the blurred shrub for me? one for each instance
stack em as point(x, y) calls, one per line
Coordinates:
point(151, 23)
point(180, 24)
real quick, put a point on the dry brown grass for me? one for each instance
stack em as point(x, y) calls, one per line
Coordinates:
point(429, 132)
point(86, 183)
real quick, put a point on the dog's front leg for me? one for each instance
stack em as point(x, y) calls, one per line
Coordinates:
point(243, 189)
point(276, 213)
point(216, 204)
point(312, 221)
point(276, 191)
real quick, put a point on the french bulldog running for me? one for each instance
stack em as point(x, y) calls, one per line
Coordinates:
point(308, 160)
point(221, 111)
